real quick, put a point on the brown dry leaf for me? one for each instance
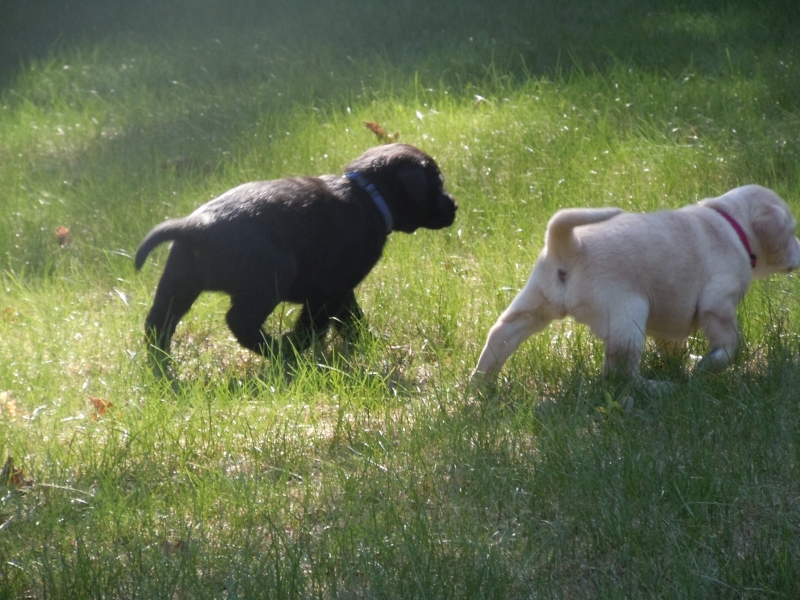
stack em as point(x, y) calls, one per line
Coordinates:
point(9, 314)
point(63, 235)
point(383, 135)
point(11, 477)
point(101, 405)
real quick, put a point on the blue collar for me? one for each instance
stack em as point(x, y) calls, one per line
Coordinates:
point(370, 188)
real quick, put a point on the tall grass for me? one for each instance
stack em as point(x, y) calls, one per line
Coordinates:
point(377, 471)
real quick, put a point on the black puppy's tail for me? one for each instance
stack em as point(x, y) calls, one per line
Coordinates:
point(174, 229)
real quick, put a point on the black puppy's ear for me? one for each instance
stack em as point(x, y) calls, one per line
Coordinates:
point(414, 182)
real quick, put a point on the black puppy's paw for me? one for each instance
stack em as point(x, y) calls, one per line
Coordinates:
point(290, 346)
point(159, 361)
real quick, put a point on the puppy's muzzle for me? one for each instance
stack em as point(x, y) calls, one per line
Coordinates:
point(444, 212)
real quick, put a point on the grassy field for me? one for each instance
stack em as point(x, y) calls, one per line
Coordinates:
point(379, 472)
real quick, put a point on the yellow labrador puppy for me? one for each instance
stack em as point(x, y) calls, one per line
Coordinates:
point(663, 274)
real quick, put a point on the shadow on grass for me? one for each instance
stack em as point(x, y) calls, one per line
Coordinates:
point(535, 38)
point(179, 89)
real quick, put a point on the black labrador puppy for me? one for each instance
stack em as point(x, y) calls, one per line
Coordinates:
point(306, 240)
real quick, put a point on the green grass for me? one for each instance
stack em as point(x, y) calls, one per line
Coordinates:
point(378, 472)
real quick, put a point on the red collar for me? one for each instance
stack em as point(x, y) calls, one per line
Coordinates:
point(740, 232)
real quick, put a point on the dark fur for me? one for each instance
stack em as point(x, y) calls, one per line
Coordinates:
point(306, 240)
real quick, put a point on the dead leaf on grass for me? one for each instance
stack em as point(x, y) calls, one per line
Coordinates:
point(13, 477)
point(63, 234)
point(101, 405)
point(383, 136)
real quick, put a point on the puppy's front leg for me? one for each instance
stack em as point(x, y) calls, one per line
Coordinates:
point(722, 330)
point(349, 319)
point(312, 324)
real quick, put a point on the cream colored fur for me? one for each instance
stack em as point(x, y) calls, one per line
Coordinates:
point(664, 274)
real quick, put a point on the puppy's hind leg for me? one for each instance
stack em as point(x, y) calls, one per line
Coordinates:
point(529, 313)
point(624, 338)
point(245, 317)
point(177, 290)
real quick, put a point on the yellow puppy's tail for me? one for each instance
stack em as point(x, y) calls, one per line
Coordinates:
point(561, 240)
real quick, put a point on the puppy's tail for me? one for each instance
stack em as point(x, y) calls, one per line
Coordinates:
point(173, 229)
point(561, 240)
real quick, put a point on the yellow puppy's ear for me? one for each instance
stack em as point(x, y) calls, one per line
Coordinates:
point(772, 225)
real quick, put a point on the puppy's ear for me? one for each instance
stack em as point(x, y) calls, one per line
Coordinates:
point(772, 226)
point(414, 182)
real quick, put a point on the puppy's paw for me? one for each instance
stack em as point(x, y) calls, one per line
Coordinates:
point(160, 363)
point(286, 348)
point(357, 334)
point(478, 378)
point(716, 360)
point(483, 385)
point(162, 370)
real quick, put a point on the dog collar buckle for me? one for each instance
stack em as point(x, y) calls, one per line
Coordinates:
point(740, 232)
point(370, 188)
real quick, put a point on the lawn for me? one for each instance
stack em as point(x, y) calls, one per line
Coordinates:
point(379, 471)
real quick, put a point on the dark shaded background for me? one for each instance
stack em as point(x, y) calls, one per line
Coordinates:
point(520, 37)
point(190, 83)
